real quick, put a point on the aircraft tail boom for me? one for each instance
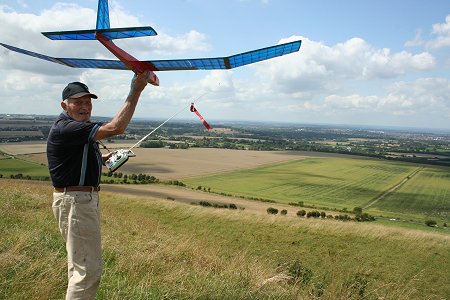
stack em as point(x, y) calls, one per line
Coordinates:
point(131, 62)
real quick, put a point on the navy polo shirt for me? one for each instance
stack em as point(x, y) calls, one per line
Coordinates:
point(73, 156)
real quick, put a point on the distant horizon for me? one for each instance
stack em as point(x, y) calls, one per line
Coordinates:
point(286, 123)
point(360, 62)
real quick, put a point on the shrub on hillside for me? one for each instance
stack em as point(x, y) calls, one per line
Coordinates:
point(283, 212)
point(357, 210)
point(299, 273)
point(314, 214)
point(301, 213)
point(272, 211)
point(431, 223)
point(364, 217)
point(357, 285)
point(205, 203)
point(342, 217)
point(233, 206)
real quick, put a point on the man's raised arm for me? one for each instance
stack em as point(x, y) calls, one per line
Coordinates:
point(120, 122)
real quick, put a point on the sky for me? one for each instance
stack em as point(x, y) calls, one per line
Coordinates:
point(363, 63)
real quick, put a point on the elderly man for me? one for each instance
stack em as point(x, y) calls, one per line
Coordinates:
point(75, 164)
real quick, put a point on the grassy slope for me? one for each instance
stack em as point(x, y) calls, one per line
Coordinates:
point(164, 250)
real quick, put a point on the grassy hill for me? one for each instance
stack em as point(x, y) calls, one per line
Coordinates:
point(156, 249)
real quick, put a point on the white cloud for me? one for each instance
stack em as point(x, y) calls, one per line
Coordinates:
point(431, 95)
point(425, 94)
point(417, 41)
point(165, 44)
point(321, 69)
point(441, 31)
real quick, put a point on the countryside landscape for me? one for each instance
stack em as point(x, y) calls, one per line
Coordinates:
point(246, 211)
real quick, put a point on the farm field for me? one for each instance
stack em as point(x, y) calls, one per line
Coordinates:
point(10, 167)
point(155, 249)
point(427, 192)
point(339, 183)
point(174, 163)
point(24, 147)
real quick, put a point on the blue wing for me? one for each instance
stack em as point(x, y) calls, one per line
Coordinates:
point(218, 63)
point(229, 62)
point(111, 33)
point(34, 54)
point(73, 62)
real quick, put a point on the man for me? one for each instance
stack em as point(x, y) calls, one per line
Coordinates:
point(75, 164)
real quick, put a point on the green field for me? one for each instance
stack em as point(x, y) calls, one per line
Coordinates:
point(13, 166)
point(338, 183)
point(427, 193)
point(156, 249)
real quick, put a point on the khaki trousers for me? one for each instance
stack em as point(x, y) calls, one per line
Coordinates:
point(78, 219)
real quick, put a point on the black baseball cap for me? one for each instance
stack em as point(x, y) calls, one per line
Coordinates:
point(76, 90)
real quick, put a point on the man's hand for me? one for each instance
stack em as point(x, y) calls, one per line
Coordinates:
point(106, 156)
point(139, 82)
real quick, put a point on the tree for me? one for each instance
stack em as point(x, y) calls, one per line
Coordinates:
point(314, 214)
point(301, 213)
point(357, 210)
point(272, 211)
point(431, 223)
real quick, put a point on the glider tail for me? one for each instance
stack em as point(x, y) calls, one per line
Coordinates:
point(102, 26)
point(103, 15)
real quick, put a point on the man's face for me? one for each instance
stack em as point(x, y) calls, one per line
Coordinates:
point(79, 109)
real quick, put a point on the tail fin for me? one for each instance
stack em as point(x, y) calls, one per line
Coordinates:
point(102, 15)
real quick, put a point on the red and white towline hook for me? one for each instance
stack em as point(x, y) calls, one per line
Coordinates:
point(194, 110)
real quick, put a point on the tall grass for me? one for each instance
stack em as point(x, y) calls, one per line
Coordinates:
point(156, 249)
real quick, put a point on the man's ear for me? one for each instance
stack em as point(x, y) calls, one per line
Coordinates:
point(64, 105)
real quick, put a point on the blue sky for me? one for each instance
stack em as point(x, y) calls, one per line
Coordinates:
point(383, 63)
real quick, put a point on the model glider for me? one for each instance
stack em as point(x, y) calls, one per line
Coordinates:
point(105, 35)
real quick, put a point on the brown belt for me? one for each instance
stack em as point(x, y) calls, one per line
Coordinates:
point(78, 189)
